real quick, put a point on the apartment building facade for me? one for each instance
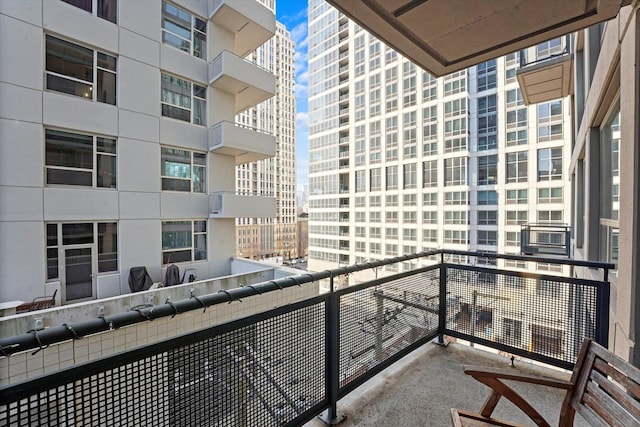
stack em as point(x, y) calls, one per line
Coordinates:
point(266, 238)
point(119, 142)
point(402, 162)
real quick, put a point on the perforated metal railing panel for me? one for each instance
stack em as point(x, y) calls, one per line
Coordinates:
point(263, 373)
point(547, 317)
point(377, 322)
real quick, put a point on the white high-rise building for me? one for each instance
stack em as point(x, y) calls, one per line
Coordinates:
point(260, 238)
point(401, 162)
point(118, 141)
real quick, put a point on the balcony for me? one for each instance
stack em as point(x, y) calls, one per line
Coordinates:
point(244, 143)
point(545, 239)
point(547, 78)
point(249, 83)
point(287, 365)
point(250, 22)
point(232, 205)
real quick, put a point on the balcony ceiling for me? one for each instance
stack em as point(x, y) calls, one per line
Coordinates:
point(444, 36)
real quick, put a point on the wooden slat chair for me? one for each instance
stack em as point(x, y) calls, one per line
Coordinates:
point(604, 390)
point(38, 303)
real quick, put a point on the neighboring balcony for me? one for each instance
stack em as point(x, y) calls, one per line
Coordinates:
point(545, 239)
point(250, 83)
point(229, 204)
point(250, 21)
point(548, 78)
point(244, 143)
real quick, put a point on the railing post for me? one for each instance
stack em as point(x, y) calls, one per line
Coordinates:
point(332, 354)
point(603, 301)
point(442, 303)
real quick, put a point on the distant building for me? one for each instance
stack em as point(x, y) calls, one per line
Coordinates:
point(260, 238)
point(402, 162)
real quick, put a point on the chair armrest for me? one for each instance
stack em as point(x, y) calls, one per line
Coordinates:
point(493, 378)
point(478, 372)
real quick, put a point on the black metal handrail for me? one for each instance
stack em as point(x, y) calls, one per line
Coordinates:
point(38, 339)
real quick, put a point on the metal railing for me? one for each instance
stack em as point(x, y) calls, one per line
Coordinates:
point(545, 239)
point(288, 365)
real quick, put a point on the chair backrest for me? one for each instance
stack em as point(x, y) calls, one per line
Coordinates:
point(606, 389)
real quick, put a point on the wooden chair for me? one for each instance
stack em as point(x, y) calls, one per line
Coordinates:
point(604, 390)
point(38, 303)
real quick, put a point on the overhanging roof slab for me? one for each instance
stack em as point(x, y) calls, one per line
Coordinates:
point(444, 36)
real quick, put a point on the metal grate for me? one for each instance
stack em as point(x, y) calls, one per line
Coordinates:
point(264, 373)
point(378, 321)
point(538, 316)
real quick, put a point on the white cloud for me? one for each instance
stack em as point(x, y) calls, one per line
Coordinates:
point(302, 120)
point(299, 35)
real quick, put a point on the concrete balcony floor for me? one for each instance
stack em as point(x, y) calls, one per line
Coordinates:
point(420, 389)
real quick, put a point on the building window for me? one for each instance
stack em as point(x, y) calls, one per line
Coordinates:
point(430, 217)
point(487, 218)
point(430, 199)
point(184, 31)
point(105, 234)
point(549, 164)
point(517, 167)
point(455, 144)
point(458, 237)
point(517, 118)
point(550, 195)
point(517, 197)
point(512, 238)
point(455, 171)
point(184, 241)
point(409, 217)
point(514, 98)
point(183, 100)
point(610, 188)
point(391, 217)
point(391, 233)
point(80, 71)
point(429, 235)
point(487, 142)
point(487, 237)
point(518, 137)
point(487, 197)
point(79, 159)
point(429, 173)
point(105, 9)
point(487, 170)
point(375, 180)
point(516, 217)
point(486, 72)
point(409, 176)
point(409, 200)
point(455, 198)
point(550, 216)
point(360, 181)
point(391, 200)
point(391, 177)
point(455, 217)
point(457, 107)
point(409, 234)
point(183, 170)
point(374, 232)
point(455, 82)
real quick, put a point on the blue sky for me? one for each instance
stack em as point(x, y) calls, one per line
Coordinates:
point(293, 14)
